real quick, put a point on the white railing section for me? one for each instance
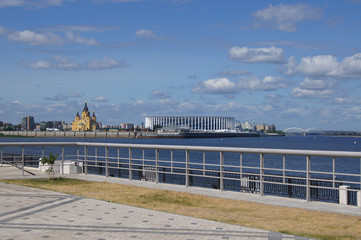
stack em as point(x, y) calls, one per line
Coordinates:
point(307, 174)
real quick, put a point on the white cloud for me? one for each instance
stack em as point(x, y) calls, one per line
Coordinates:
point(216, 86)
point(327, 65)
point(314, 88)
point(253, 55)
point(145, 33)
point(31, 4)
point(309, 93)
point(78, 39)
point(284, 17)
point(318, 65)
point(105, 63)
point(61, 63)
point(33, 38)
point(39, 65)
point(266, 84)
point(100, 99)
point(250, 83)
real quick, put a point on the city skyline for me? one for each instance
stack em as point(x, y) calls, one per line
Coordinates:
point(275, 62)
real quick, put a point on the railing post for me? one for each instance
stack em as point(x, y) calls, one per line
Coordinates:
point(187, 166)
point(221, 163)
point(22, 159)
point(284, 168)
point(106, 161)
point(77, 153)
point(86, 160)
point(333, 173)
point(1, 153)
point(96, 156)
point(343, 194)
point(261, 171)
point(156, 165)
point(204, 163)
point(130, 164)
point(308, 167)
point(171, 161)
point(62, 159)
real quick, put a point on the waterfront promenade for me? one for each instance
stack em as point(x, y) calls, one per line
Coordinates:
point(28, 213)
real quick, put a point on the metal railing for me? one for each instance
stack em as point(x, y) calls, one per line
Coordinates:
point(311, 175)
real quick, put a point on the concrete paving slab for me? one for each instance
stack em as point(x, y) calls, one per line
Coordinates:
point(28, 213)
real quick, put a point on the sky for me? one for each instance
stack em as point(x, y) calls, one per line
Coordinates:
point(288, 63)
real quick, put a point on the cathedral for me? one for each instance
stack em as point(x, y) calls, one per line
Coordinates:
point(85, 123)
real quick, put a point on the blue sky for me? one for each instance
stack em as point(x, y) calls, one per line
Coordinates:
point(286, 63)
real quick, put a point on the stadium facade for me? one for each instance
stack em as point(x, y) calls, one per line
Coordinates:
point(200, 123)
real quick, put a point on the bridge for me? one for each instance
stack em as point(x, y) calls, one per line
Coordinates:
point(304, 132)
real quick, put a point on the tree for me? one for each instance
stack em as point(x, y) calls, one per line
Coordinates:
point(50, 161)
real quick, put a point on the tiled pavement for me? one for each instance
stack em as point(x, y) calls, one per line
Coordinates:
point(28, 213)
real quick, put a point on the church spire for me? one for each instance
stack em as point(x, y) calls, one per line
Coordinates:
point(85, 109)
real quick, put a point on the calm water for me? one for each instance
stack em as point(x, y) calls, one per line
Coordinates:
point(288, 142)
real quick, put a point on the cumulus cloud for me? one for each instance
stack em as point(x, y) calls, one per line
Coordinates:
point(105, 63)
point(76, 38)
point(284, 17)
point(34, 38)
point(327, 65)
point(216, 86)
point(314, 88)
point(61, 63)
point(100, 99)
point(254, 55)
point(250, 83)
point(255, 84)
point(47, 38)
point(309, 93)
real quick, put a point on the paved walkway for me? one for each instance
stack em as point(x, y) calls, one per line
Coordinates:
point(27, 213)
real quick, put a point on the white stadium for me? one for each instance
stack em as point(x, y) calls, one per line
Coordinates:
point(200, 123)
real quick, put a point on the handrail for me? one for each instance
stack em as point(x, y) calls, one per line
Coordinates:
point(318, 153)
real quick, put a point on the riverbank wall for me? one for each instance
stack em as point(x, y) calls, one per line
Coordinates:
point(71, 134)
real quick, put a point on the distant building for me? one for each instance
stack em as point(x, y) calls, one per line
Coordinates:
point(85, 122)
point(127, 126)
point(265, 127)
point(51, 124)
point(248, 126)
point(191, 122)
point(28, 123)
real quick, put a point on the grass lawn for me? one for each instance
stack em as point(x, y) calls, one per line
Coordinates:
point(294, 221)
